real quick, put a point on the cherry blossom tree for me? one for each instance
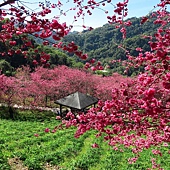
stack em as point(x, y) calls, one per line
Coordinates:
point(138, 113)
point(8, 88)
point(44, 86)
point(105, 85)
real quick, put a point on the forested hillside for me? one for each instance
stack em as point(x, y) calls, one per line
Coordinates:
point(12, 58)
point(101, 43)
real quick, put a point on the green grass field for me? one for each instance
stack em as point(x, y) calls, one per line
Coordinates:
point(61, 150)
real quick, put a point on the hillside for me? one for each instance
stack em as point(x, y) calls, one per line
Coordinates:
point(102, 43)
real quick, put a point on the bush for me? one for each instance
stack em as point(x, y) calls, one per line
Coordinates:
point(3, 162)
point(26, 115)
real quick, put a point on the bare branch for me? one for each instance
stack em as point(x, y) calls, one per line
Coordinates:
point(7, 2)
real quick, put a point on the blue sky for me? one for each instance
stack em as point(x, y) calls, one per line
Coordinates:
point(98, 18)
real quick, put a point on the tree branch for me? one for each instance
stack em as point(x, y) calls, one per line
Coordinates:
point(7, 2)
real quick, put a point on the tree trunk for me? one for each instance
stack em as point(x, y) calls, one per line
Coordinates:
point(11, 112)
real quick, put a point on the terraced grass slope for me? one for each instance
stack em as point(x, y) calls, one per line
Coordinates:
point(60, 150)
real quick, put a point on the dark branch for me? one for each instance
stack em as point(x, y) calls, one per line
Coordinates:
point(7, 2)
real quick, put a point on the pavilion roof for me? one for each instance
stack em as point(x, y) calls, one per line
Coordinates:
point(77, 100)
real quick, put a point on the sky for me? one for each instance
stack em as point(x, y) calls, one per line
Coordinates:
point(137, 8)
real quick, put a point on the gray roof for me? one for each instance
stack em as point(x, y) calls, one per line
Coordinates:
point(77, 100)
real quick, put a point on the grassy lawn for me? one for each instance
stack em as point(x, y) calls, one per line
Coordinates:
point(61, 150)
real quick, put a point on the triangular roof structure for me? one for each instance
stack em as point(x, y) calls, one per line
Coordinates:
point(77, 100)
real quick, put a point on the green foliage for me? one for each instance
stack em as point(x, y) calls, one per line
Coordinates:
point(26, 115)
point(103, 43)
point(6, 68)
point(3, 160)
point(8, 64)
point(103, 72)
point(61, 149)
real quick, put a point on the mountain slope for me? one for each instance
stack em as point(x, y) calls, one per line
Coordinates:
point(102, 43)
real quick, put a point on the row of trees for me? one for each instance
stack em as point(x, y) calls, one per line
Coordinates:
point(43, 86)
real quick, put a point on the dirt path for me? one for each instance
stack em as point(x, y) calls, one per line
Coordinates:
point(17, 164)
